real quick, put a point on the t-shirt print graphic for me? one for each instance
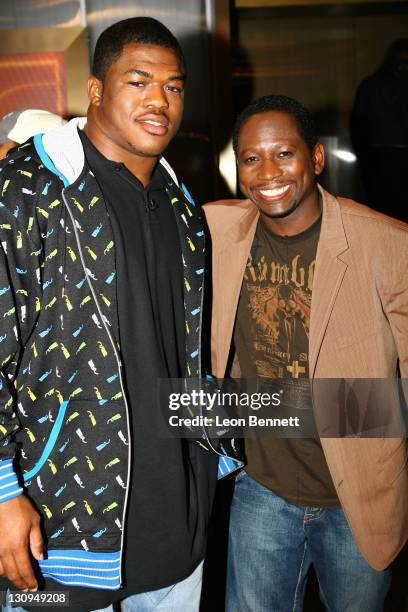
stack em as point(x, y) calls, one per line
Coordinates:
point(280, 315)
point(272, 327)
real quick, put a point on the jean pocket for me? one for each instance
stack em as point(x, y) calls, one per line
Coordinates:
point(240, 476)
point(157, 597)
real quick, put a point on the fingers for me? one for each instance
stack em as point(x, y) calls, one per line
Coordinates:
point(25, 569)
point(19, 533)
point(17, 574)
point(36, 542)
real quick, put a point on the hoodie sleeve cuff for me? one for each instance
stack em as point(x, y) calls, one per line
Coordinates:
point(227, 466)
point(9, 486)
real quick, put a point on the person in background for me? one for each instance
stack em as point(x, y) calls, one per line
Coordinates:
point(379, 132)
point(20, 125)
point(307, 286)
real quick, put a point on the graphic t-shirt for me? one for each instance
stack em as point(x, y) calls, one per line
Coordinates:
point(272, 342)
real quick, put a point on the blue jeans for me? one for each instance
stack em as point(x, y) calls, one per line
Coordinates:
point(272, 545)
point(183, 596)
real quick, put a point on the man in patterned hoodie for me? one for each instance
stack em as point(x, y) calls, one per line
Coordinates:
point(100, 296)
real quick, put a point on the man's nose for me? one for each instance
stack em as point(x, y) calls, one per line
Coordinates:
point(269, 169)
point(155, 97)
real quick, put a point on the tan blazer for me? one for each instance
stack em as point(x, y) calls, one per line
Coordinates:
point(358, 329)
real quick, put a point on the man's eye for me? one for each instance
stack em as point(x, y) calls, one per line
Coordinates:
point(136, 83)
point(174, 89)
point(251, 159)
point(284, 154)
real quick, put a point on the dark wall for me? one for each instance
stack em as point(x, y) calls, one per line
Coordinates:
point(193, 151)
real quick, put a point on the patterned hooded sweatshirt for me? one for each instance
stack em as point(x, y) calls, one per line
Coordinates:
point(62, 399)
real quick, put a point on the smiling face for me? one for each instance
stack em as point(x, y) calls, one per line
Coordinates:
point(138, 108)
point(277, 170)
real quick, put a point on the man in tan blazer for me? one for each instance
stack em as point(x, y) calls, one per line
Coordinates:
point(307, 286)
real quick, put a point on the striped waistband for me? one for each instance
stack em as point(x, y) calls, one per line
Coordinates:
point(99, 570)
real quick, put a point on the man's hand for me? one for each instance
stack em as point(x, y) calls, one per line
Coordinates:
point(19, 533)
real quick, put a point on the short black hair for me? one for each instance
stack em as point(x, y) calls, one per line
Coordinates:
point(393, 56)
point(303, 117)
point(140, 30)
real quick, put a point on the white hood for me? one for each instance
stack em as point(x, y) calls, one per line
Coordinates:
point(63, 148)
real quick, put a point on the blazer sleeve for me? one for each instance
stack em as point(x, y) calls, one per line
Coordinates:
point(393, 288)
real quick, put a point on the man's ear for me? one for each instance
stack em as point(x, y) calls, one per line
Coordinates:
point(95, 89)
point(318, 158)
point(6, 147)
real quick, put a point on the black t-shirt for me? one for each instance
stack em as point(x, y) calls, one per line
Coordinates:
point(272, 342)
point(161, 545)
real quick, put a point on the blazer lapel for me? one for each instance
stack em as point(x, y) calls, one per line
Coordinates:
point(329, 272)
point(229, 261)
